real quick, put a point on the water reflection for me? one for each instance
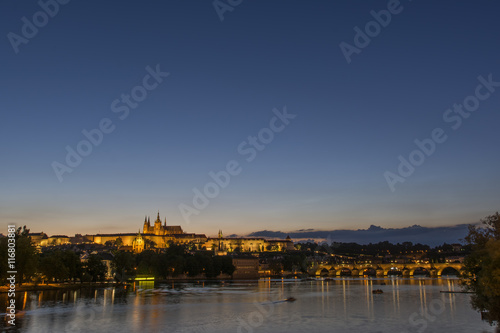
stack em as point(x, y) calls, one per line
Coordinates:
point(348, 304)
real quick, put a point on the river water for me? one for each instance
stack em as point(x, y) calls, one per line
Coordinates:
point(338, 305)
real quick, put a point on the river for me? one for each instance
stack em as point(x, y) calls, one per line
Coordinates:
point(338, 305)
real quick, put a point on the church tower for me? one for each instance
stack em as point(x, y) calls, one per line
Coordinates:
point(146, 226)
point(158, 225)
point(220, 240)
point(138, 243)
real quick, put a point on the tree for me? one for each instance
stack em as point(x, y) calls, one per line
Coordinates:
point(226, 264)
point(118, 242)
point(123, 263)
point(193, 266)
point(95, 269)
point(147, 262)
point(114, 243)
point(292, 262)
point(52, 266)
point(4, 255)
point(275, 267)
point(176, 249)
point(149, 244)
point(481, 273)
point(207, 265)
point(175, 264)
point(72, 262)
point(163, 269)
point(26, 255)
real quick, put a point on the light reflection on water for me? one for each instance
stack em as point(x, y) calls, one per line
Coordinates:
point(342, 305)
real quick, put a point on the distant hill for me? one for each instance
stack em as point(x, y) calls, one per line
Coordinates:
point(374, 234)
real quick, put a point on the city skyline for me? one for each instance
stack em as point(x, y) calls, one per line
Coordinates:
point(433, 236)
point(263, 107)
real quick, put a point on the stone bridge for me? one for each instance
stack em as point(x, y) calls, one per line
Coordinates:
point(332, 270)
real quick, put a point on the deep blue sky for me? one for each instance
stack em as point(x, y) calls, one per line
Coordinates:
point(324, 171)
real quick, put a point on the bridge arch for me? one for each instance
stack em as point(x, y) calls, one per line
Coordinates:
point(419, 270)
point(322, 272)
point(448, 270)
point(333, 272)
point(368, 271)
point(344, 271)
point(394, 270)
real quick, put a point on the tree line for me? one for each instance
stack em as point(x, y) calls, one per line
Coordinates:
point(173, 262)
point(54, 264)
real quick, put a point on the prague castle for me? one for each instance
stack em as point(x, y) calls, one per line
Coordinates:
point(162, 236)
point(161, 230)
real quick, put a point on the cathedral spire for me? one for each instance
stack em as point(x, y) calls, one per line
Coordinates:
point(165, 221)
point(158, 216)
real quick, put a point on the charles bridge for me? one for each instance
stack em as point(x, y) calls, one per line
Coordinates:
point(408, 269)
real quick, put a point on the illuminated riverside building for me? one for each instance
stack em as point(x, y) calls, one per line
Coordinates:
point(248, 244)
point(41, 239)
point(160, 235)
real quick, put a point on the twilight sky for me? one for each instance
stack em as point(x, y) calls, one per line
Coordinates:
point(323, 169)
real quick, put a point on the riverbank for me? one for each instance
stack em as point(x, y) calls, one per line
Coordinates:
point(56, 286)
point(78, 285)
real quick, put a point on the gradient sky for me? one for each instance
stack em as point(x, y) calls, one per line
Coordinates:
point(324, 171)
